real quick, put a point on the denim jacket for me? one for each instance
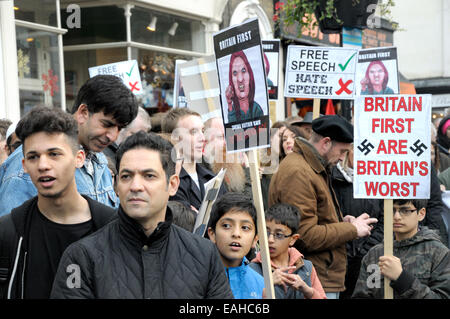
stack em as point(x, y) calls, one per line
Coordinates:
point(16, 186)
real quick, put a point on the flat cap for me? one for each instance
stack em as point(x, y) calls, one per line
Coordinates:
point(335, 127)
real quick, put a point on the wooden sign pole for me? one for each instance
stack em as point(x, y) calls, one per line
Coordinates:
point(206, 87)
point(261, 220)
point(316, 108)
point(388, 242)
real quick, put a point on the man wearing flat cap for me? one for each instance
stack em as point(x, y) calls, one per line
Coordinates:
point(303, 180)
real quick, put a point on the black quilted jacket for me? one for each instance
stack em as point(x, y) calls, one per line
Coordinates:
point(120, 261)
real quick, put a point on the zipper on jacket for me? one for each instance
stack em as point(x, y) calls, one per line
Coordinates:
point(13, 274)
point(23, 272)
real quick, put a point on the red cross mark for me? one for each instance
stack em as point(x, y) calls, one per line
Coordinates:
point(344, 87)
point(133, 86)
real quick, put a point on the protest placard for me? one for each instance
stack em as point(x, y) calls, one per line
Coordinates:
point(245, 111)
point(271, 49)
point(179, 98)
point(128, 71)
point(392, 146)
point(243, 86)
point(212, 188)
point(320, 72)
point(201, 86)
point(377, 71)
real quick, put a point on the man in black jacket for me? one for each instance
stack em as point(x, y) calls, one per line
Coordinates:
point(142, 254)
point(34, 235)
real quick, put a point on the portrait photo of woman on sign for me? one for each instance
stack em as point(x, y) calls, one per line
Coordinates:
point(376, 79)
point(240, 92)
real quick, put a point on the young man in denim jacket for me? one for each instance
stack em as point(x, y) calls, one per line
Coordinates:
point(104, 105)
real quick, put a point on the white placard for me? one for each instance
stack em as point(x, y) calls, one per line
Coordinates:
point(392, 146)
point(320, 72)
point(128, 71)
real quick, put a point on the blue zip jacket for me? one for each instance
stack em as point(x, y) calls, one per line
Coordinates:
point(245, 282)
point(16, 186)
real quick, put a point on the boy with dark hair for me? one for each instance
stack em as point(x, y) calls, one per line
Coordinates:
point(35, 234)
point(420, 267)
point(142, 254)
point(293, 276)
point(232, 227)
point(104, 105)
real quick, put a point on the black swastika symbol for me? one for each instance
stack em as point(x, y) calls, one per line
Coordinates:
point(418, 148)
point(366, 147)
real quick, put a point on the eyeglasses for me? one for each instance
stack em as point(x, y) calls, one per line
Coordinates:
point(404, 211)
point(278, 236)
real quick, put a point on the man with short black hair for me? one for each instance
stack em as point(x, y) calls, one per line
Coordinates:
point(104, 105)
point(35, 234)
point(303, 180)
point(142, 254)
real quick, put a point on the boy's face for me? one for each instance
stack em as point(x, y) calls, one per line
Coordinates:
point(406, 220)
point(50, 161)
point(234, 236)
point(279, 246)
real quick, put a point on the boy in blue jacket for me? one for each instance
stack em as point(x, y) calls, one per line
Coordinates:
point(232, 228)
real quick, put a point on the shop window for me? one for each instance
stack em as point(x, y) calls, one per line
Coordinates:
point(38, 68)
point(77, 64)
point(42, 11)
point(157, 71)
point(98, 25)
point(162, 29)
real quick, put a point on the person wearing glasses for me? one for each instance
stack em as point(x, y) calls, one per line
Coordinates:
point(420, 267)
point(232, 228)
point(293, 276)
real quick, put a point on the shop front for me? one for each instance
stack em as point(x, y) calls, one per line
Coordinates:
point(62, 39)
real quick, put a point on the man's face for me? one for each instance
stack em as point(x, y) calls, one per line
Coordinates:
point(192, 139)
point(50, 161)
point(337, 152)
point(234, 236)
point(306, 130)
point(138, 124)
point(142, 185)
point(14, 143)
point(96, 131)
point(214, 139)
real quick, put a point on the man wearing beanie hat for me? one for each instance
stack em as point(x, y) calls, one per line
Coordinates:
point(303, 180)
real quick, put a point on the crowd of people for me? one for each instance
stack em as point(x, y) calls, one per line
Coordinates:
point(101, 202)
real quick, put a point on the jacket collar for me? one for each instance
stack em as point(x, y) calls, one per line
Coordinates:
point(133, 232)
point(203, 175)
point(310, 154)
point(21, 216)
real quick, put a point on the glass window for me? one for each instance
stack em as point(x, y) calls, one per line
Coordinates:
point(42, 11)
point(77, 63)
point(162, 29)
point(98, 25)
point(157, 75)
point(38, 68)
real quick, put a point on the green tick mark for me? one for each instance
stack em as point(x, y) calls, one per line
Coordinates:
point(343, 67)
point(129, 74)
